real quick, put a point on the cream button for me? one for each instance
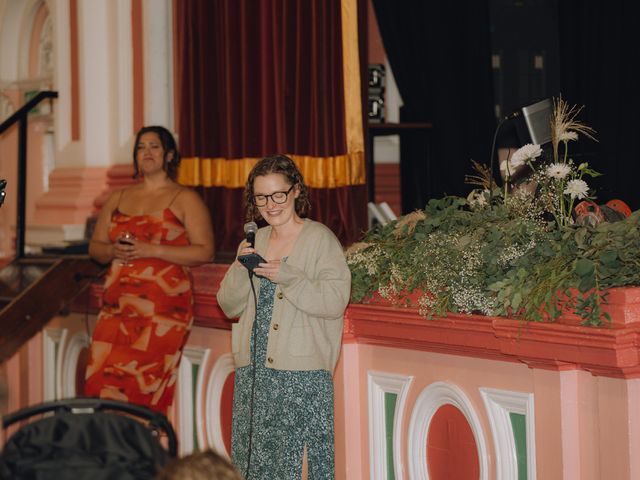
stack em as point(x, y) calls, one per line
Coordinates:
point(276, 326)
point(270, 360)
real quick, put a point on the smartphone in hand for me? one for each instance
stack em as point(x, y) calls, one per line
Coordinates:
point(251, 260)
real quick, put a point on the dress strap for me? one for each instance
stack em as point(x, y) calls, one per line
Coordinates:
point(174, 197)
point(119, 199)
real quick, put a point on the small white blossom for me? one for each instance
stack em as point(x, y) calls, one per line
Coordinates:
point(513, 252)
point(567, 136)
point(477, 198)
point(558, 170)
point(528, 152)
point(482, 199)
point(577, 189)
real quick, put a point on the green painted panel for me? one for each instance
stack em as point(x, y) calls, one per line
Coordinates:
point(194, 385)
point(390, 400)
point(519, 427)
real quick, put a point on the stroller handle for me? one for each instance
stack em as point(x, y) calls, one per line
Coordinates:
point(87, 405)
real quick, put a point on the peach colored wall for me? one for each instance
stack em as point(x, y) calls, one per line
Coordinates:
point(351, 440)
point(36, 31)
point(599, 404)
point(586, 426)
point(575, 410)
point(376, 47)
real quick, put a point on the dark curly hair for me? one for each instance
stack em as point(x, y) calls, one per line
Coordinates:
point(168, 145)
point(276, 164)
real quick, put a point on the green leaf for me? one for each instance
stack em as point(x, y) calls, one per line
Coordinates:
point(516, 300)
point(580, 236)
point(609, 258)
point(584, 267)
point(586, 284)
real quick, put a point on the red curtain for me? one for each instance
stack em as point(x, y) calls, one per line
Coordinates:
point(257, 78)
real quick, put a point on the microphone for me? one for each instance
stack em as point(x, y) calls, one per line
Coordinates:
point(250, 230)
point(509, 117)
point(513, 115)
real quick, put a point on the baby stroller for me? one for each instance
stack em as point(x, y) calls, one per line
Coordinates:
point(86, 438)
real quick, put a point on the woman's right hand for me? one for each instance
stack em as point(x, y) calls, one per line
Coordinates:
point(121, 251)
point(245, 249)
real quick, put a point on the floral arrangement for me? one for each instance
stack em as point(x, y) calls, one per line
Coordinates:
point(560, 183)
point(514, 251)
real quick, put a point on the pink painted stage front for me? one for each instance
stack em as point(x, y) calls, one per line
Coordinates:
point(463, 396)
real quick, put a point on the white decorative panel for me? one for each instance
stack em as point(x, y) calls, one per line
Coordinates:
point(75, 345)
point(379, 384)
point(190, 394)
point(499, 404)
point(53, 340)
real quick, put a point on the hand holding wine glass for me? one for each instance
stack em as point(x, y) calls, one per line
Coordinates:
point(125, 238)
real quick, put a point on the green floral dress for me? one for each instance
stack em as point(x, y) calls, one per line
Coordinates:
point(291, 410)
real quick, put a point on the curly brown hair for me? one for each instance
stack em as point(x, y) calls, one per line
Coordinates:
point(168, 145)
point(276, 164)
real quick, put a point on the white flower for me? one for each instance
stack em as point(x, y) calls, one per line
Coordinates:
point(577, 189)
point(525, 153)
point(477, 198)
point(482, 198)
point(567, 136)
point(558, 170)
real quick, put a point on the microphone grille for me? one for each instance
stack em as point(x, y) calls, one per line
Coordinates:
point(250, 227)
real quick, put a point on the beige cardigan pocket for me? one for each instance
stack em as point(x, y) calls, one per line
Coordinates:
point(301, 343)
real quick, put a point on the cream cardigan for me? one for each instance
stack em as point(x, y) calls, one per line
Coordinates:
point(312, 292)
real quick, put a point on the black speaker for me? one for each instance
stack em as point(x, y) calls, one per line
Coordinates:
point(376, 85)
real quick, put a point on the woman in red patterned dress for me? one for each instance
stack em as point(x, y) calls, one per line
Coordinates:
point(151, 232)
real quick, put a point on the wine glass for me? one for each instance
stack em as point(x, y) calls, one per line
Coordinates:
point(126, 238)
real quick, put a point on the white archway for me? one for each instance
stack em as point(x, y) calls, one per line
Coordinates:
point(427, 404)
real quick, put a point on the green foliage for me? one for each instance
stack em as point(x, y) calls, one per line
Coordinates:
point(496, 261)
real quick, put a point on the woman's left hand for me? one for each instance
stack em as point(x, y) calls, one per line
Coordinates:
point(139, 249)
point(269, 270)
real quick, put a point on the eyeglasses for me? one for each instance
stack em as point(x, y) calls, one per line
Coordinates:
point(276, 197)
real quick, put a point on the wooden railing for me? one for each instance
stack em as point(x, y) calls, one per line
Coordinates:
point(21, 117)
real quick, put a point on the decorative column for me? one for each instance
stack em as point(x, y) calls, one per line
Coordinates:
point(94, 115)
point(158, 63)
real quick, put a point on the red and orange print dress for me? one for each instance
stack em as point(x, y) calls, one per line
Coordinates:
point(145, 319)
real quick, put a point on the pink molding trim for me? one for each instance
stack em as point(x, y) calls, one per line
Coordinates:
point(610, 351)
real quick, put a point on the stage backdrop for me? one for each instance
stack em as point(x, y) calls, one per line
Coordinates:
point(275, 76)
point(440, 54)
point(598, 47)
